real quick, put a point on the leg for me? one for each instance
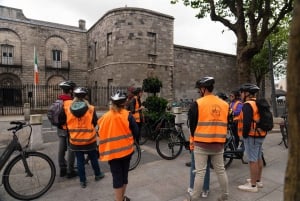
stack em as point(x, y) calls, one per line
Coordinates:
point(62, 148)
point(94, 161)
point(218, 163)
point(192, 174)
point(200, 169)
point(80, 165)
point(207, 176)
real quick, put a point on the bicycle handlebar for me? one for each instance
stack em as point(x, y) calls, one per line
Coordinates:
point(19, 125)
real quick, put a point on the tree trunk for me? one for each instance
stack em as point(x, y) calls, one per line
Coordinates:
point(292, 177)
point(243, 65)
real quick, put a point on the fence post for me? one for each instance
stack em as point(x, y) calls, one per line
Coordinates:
point(36, 139)
point(26, 111)
point(177, 111)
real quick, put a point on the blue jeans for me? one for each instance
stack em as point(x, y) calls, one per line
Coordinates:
point(93, 156)
point(206, 177)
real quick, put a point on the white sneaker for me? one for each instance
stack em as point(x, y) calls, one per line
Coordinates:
point(190, 191)
point(258, 184)
point(204, 194)
point(248, 187)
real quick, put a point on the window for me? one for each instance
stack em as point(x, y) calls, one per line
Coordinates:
point(56, 61)
point(152, 42)
point(7, 52)
point(109, 44)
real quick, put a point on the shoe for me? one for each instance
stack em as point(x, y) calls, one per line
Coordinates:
point(188, 164)
point(98, 177)
point(258, 184)
point(126, 198)
point(83, 184)
point(63, 172)
point(204, 194)
point(190, 191)
point(224, 197)
point(248, 187)
point(72, 174)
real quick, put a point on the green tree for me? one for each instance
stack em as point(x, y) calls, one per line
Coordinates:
point(251, 21)
point(278, 41)
point(152, 85)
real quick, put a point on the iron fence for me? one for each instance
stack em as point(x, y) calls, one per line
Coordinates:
point(13, 98)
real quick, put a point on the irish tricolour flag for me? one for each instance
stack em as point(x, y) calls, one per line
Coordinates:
point(36, 72)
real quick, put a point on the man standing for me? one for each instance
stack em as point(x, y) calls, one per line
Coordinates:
point(210, 113)
point(66, 166)
point(253, 138)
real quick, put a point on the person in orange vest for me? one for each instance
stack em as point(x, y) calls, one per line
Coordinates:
point(253, 139)
point(135, 107)
point(66, 166)
point(235, 107)
point(81, 119)
point(210, 114)
point(117, 130)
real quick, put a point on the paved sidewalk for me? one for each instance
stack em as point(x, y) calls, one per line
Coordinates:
point(162, 180)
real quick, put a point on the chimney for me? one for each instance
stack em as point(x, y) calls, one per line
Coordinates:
point(82, 24)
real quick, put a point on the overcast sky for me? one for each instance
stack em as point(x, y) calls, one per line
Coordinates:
point(188, 30)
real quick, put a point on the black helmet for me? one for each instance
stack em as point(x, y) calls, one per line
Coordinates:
point(119, 98)
point(80, 92)
point(248, 87)
point(205, 82)
point(67, 85)
point(222, 96)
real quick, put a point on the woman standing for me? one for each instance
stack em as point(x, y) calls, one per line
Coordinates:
point(117, 130)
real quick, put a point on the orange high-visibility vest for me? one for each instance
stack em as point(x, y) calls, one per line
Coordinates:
point(66, 102)
point(136, 114)
point(254, 132)
point(212, 120)
point(81, 130)
point(115, 137)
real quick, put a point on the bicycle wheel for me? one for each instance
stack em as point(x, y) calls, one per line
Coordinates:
point(169, 144)
point(227, 159)
point(144, 134)
point(136, 157)
point(284, 134)
point(24, 185)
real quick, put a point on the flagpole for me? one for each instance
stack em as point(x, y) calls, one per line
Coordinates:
point(34, 76)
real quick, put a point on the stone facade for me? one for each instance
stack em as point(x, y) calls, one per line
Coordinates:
point(122, 48)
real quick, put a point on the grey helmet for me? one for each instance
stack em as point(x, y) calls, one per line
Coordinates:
point(67, 85)
point(205, 82)
point(80, 92)
point(119, 98)
point(248, 87)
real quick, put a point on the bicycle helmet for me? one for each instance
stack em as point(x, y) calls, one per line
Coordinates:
point(119, 98)
point(67, 85)
point(205, 82)
point(80, 92)
point(236, 93)
point(248, 87)
point(222, 96)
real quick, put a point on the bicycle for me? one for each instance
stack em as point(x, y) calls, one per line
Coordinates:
point(232, 151)
point(29, 174)
point(136, 156)
point(284, 130)
point(150, 130)
point(170, 142)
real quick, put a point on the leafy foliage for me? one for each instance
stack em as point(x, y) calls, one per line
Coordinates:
point(152, 85)
point(251, 21)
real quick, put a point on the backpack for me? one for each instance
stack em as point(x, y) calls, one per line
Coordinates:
point(266, 117)
point(54, 110)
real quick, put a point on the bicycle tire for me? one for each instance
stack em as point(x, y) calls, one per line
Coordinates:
point(22, 186)
point(228, 160)
point(284, 134)
point(136, 157)
point(169, 144)
point(144, 134)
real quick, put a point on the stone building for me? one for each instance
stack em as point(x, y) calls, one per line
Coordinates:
point(125, 46)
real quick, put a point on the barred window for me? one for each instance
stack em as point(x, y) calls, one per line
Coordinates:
point(56, 58)
point(7, 52)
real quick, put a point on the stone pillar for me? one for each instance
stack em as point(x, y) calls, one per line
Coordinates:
point(26, 110)
point(36, 140)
